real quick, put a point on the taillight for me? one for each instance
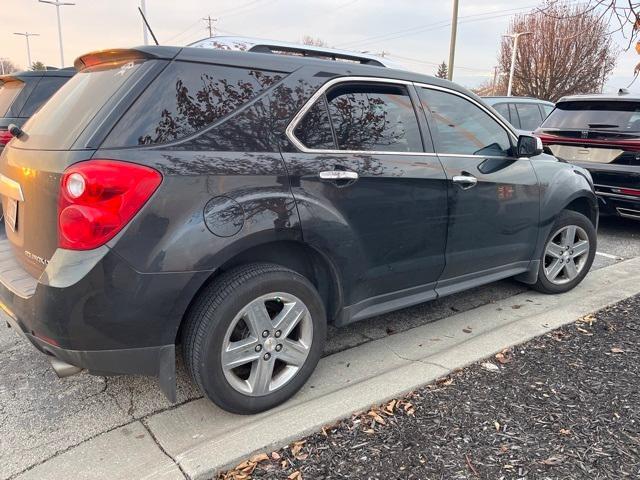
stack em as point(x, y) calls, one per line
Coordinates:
point(5, 136)
point(98, 198)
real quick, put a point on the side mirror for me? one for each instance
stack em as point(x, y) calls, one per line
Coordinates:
point(529, 146)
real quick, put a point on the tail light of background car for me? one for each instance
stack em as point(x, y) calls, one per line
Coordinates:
point(630, 145)
point(98, 198)
point(5, 136)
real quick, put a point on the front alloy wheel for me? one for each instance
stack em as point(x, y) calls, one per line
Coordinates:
point(566, 254)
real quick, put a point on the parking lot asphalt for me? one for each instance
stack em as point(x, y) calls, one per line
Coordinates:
point(42, 416)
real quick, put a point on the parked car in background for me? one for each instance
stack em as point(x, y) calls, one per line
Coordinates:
point(239, 202)
point(602, 134)
point(22, 93)
point(524, 113)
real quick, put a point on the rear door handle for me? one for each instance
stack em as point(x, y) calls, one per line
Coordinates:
point(334, 175)
point(465, 181)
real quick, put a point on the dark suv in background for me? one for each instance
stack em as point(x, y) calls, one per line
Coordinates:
point(22, 93)
point(602, 134)
point(238, 202)
point(524, 113)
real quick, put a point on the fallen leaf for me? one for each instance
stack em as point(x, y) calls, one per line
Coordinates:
point(275, 455)
point(556, 460)
point(497, 425)
point(444, 381)
point(565, 431)
point(390, 406)
point(296, 447)
point(503, 357)
point(261, 457)
point(373, 414)
point(616, 350)
point(369, 431)
point(467, 330)
point(295, 476)
point(492, 367)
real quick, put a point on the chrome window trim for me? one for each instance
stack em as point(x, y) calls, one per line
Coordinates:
point(322, 90)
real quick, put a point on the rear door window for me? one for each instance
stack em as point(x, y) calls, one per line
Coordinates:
point(314, 130)
point(43, 91)
point(529, 114)
point(60, 121)
point(185, 98)
point(8, 93)
point(546, 110)
point(374, 117)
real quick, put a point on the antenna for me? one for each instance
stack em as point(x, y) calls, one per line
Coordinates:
point(148, 27)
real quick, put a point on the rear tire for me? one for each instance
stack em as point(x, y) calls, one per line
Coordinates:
point(254, 336)
point(568, 253)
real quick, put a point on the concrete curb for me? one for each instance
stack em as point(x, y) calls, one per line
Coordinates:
point(202, 439)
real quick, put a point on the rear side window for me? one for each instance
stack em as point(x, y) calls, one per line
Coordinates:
point(503, 109)
point(529, 114)
point(8, 93)
point(61, 120)
point(463, 128)
point(185, 98)
point(546, 110)
point(46, 87)
point(374, 118)
point(601, 114)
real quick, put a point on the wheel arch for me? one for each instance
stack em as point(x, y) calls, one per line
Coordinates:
point(295, 255)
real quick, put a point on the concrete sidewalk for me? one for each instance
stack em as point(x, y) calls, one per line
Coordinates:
point(196, 439)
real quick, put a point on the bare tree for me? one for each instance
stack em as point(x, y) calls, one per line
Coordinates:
point(7, 66)
point(313, 41)
point(568, 52)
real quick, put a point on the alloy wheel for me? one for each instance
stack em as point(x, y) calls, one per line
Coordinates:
point(267, 343)
point(566, 254)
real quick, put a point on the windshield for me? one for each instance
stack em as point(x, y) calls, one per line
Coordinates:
point(8, 93)
point(595, 115)
point(60, 121)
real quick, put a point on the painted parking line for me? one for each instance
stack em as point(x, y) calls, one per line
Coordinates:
point(608, 255)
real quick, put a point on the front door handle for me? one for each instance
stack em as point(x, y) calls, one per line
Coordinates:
point(465, 181)
point(334, 175)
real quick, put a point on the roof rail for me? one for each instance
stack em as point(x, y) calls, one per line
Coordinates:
point(257, 45)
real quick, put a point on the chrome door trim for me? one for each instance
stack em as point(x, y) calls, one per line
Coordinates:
point(347, 79)
point(11, 189)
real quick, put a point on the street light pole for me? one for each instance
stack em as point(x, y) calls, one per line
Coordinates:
point(452, 45)
point(58, 4)
point(516, 37)
point(26, 35)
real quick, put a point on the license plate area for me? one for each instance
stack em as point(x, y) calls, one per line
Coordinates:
point(11, 214)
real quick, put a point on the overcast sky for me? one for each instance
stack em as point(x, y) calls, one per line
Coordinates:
point(413, 32)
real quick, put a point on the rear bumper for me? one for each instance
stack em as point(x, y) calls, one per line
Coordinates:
point(608, 178)
point(93, 311)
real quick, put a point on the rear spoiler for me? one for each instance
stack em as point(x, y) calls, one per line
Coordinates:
point(118, 55)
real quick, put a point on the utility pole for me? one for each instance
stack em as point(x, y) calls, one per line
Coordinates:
point(145, 35)
point(516, 37)
point(210, 22)
point(452, 45)
point(26, 35)
point(58, 5)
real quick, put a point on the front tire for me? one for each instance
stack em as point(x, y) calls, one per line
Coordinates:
point(568, 253)
point(254, 336)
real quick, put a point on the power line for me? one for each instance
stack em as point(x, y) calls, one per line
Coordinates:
point(210, 22)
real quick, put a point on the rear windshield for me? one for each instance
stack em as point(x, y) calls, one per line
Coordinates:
point(61, 120)
point(600, 115)
point(8, 93)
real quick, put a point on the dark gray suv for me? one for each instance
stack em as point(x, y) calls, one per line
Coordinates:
point(239, 202)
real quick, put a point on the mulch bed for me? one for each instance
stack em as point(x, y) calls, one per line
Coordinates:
point(565, 405)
